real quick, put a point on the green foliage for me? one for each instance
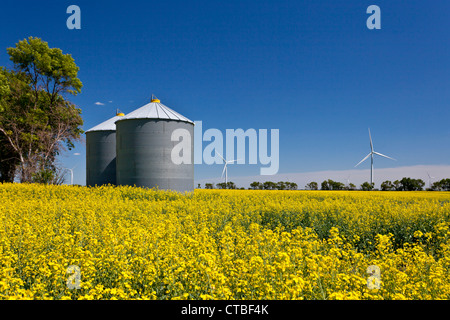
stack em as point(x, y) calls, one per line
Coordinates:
point(332, 185)
point(409, 184)
point(56, 70)
point(312, 186)
point(366, 186)
point(443, 185)
point(387, 186)
point(45, 176)
point(37, 122)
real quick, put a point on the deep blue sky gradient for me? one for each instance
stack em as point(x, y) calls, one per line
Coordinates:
point(311, 69)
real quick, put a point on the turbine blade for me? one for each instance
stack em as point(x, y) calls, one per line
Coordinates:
point(380, 154)
point(364, 159)
point(221, 156)
point(371, 143)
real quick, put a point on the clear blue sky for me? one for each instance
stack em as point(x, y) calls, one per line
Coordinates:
point(311, 69)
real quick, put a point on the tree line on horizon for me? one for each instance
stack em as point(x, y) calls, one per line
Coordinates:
point(405, 184)
point(268, 185)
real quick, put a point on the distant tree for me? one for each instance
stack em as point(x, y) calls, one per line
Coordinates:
point(281, 185)
point(445, 184)
point(325, 186)
point(337, 185)
point(332, 185)
point(351, 187)
point(366, 186)
point(230, 185)
point(409, 184)
point(199, 186)
point(255, 185)
point(292, 185)
point(221, 185)
point(436, 186)
point(269, 185)
point(387, 186)
point(312, 186)
point(397, 185)
point(209, 186)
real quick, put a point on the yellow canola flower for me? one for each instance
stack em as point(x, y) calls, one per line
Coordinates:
point(133, 243)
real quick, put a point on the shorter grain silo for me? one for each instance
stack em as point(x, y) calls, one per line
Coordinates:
point(101, 153)
point(144, 147)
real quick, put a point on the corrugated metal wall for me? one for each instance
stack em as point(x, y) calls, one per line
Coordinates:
point(100, 158)
point(144, 150)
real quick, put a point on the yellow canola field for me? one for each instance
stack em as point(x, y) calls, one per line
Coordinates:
point(132, 243)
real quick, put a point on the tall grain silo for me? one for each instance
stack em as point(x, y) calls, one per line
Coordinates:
point(101, 153)
point(144, 148)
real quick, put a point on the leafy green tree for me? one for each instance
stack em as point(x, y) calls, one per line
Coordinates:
point(409, 184)
point(387, 186)
point(332, 185)
point(281, 185)
point(37, 122)
point(366, 186)
point(445, 184)
point(255, 185)
point(397, 185)
point(312, 186)
point(221, 185)
point(351, 187)
point(230, 185)
point(292, 185)
point(269, 185)
point(209, 186)
point(335, 185)
point(325, 185)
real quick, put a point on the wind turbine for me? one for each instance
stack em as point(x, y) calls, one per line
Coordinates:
point(225, 170)
point(372, 152)
point(429, 179)
point(348, 180)
point(71, 174)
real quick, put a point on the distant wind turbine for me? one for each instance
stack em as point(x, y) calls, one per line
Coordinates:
point(71, 174)
point(429, 179)
point(348, 179)
point(225, 170)
point(372, 152)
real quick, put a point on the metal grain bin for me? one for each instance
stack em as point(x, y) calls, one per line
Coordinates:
point(144, 147)
point(101, 153)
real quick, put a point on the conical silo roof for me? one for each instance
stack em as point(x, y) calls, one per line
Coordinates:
point(155, 110)
point(108, 125)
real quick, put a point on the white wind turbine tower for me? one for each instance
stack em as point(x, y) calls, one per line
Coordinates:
point(372, 152)
point(225, 170)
